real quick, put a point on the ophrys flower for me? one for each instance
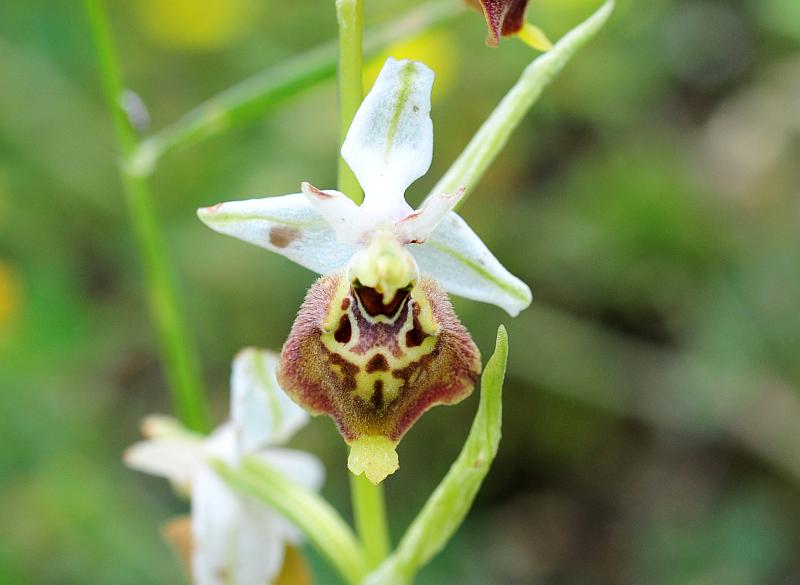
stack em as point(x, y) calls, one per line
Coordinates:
point(507, 18)
point(235, 539)
point(376, 342)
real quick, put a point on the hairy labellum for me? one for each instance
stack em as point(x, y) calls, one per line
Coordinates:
point(375, 367)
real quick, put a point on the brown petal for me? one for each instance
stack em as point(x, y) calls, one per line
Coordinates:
point(373, 367)
point(503, 17)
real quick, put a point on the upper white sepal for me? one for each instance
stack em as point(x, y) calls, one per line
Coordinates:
point(390, 142)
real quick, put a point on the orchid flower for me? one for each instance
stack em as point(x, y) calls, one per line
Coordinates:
point(507, 18)
point(376, 342)
point(235, 538)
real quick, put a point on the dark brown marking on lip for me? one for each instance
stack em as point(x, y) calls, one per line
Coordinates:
point(327, 382)
point(378, 363)
point(377, 394)
point(416, 336)
point(345, 303)
point(281, 236)
point(372, 301)
point(344, 331)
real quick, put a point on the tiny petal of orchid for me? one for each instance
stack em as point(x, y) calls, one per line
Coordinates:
point(234, 538)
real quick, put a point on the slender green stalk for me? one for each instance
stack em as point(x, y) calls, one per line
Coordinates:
point(251, 98)
point(241, 103)
point(323, 527)
point(350, 16)
point(493, 135)
point(177, 354)
point(450, 502)
point(369, 511)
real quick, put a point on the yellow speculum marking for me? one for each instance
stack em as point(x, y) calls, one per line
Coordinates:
point(365, 382)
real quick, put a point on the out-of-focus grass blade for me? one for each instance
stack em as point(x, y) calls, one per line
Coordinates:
point(320, 523)
point(449, 504)
point(252, 97)
point(492, 136)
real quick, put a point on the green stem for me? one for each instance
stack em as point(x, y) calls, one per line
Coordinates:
point(493, 135)
point(350, 16)
point(179, 360)
point(323, 527)
point(369, 511)
point(450, 502)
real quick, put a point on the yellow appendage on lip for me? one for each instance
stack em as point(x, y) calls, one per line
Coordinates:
point(374, 456)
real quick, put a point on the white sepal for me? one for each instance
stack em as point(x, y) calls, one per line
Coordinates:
point(462, 264)
point(262, 413)
point(175, 457)
point(390, 142)
point(236, 539)
point(300, 466)
point(288, 225)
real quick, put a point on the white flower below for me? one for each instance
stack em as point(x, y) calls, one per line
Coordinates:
point(388, 146)
point(236, 538)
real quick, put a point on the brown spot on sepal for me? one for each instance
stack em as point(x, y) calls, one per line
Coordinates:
point(281, 236)
point(324, 382)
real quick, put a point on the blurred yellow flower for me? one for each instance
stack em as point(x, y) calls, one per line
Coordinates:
point(197, 25)
point(437, 49)
point(9, 296)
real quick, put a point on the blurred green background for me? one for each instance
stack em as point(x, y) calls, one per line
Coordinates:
point(652, 426)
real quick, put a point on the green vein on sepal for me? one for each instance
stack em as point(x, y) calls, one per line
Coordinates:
point(523, 295)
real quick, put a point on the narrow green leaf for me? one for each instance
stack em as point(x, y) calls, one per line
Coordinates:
point(492, 136)
point(177, 349)
point(350, 17)
point(449, 504)
point(251, 98)
point(320, 523)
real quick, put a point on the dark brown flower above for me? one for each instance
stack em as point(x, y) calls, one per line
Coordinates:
point(376, 366)
point(503, 17)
